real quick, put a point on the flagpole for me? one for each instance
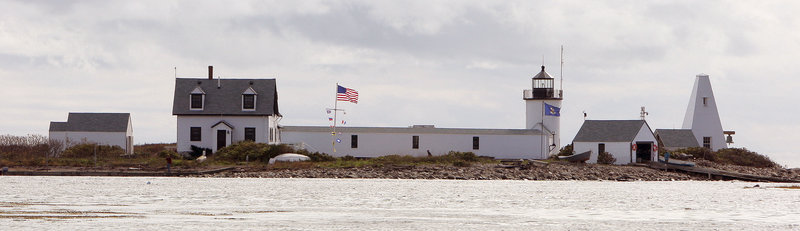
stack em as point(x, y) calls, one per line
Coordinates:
point(541, 140)
point(335, 112)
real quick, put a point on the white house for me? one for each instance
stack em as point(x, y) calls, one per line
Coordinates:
point(214, 113)
point(702, 116)
point(629, 141)
point(114, 129)
point(538, 140)
point(673, 139)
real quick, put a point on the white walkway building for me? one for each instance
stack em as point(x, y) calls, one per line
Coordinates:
point(538, 140)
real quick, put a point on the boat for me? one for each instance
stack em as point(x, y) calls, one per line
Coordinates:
point(580, 157)
point(676, 162)
point(289, 157)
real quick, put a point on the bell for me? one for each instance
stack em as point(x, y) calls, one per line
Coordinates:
point(729, 139)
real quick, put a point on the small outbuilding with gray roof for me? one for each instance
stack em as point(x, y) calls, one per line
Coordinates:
point(113, 129)
point(628, 141)
point(673, 139)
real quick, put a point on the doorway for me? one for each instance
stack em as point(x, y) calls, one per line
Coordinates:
point(222, 138)
point(644, 152)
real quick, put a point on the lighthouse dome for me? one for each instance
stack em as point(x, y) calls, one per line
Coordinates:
point(542, 75)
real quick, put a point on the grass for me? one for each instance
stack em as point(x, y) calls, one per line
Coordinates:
point(248, 154)
point(789, 187)
point(734, 156)
point(147, 156)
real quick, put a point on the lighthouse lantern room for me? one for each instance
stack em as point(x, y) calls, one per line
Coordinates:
point(543, 85)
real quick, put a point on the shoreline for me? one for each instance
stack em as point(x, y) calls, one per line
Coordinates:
point(476, 171)
point(481, 171)
point(485, 171)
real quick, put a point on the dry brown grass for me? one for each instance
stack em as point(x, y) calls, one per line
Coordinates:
point(789, 187)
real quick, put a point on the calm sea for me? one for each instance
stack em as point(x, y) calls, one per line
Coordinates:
point(127, 203)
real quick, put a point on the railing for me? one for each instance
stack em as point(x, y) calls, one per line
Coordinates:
point(528, 94)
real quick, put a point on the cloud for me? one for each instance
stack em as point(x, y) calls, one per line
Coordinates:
point(448, 63)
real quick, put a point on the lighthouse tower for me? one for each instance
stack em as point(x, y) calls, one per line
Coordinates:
point(542, 112)
point(702, 116)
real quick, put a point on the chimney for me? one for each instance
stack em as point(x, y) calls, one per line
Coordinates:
point(210, 72)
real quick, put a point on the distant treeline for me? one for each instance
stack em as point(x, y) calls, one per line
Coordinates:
point(27, 147)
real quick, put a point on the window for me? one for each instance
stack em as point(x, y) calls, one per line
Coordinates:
point(248, 102)
point(197, 101)
point(705, 101)
point(249, 99)
point(476, 143)
point(250, 134)
point(707, 142)
point(353, 141)
point(415, 142)
point(601, 148)
point(194, 134)
point(272, 135)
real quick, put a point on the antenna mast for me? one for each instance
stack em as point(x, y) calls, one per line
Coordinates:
point(561, 73)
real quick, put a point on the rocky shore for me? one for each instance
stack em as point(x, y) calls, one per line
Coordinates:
point(785, 173)
point(475, 171)
point(553, 171)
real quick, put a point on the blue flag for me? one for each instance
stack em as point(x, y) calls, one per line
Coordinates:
point(551, 110)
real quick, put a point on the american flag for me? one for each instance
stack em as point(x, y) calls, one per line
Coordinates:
point(346, 94)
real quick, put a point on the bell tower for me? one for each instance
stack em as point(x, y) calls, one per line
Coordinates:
point(543, 112)
point(702, 116)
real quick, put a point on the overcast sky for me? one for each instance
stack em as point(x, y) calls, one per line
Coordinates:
point(447, 63)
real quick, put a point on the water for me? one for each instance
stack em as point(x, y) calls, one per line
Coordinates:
point(92, 203)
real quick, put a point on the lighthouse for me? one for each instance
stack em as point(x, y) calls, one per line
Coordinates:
point(702, 116)
point(543, 112)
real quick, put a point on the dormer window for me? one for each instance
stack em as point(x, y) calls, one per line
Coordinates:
point(249, 99)
point(249, 102)
point(197, 99)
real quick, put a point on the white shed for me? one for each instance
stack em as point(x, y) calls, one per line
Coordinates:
point(113, 129)
point(629, 141)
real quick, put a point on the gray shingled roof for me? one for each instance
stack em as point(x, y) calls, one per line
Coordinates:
point(93, 122)
point(609, 130)
point(677, 137)
point(416, 130)
point(227, 99)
